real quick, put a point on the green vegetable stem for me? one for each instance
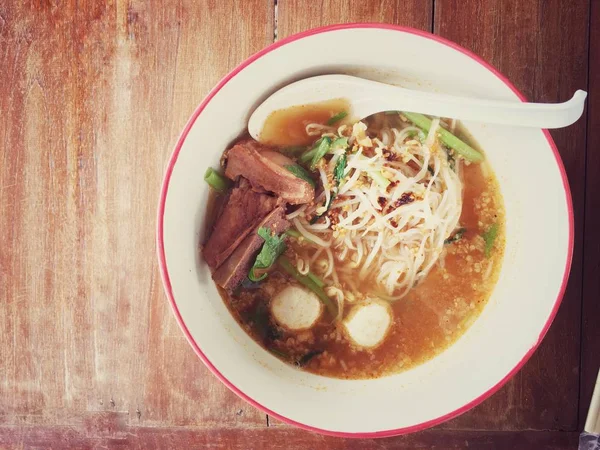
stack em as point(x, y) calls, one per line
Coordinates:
point(216, 181)
point(462, 148)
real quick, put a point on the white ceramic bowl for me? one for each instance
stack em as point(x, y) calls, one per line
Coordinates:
point(539, 239)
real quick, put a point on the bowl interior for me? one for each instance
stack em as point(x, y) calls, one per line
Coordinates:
point(510, 326)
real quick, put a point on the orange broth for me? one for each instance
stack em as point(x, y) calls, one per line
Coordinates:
point(431, 317)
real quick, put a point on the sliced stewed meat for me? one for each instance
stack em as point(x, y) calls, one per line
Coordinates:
point(236, 268)
point(243, 210)
point(265, 168)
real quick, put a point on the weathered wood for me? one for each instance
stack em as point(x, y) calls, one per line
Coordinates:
point(542, 47)
point(93, 96)
point(299, 15)
point(590, 350)
point(275, 438)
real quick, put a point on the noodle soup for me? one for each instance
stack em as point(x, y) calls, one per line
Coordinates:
point(360, 248)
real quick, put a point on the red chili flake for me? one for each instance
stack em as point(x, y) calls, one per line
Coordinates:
point(389, 155)
point(392, 185)
point(382, 201)
point(407, 197)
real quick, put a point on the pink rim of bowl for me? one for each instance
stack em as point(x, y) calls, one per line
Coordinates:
point(165, 273)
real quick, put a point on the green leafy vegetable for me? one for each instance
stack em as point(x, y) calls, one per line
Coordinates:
point(378, 178)
point(273, 247)
point(315, 279)
point(339, 143)
point(322, 150)
point(339, 116)
point(456, 236)
point(215, 180)
point(309, 283)
point(308, 155)
point(340, 167)
point(301, 173)
point(462, 148)
point(489, 237)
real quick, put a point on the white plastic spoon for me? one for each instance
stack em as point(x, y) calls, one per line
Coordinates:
point(368, 97)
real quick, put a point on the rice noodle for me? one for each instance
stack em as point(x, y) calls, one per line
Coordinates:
point(296, 213)
point(303, 266)
point(394, 235)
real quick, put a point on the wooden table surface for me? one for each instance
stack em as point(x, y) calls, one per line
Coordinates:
point(93, 95)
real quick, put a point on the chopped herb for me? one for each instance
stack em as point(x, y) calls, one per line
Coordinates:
point(339, 116)
point(339, 143)
point(456, 236)
point(322, 150)
point(489, 237)
point(378, 178)
point(340, 167)
point(215, 180)
point(308, 155)
point(301, 173)
point(273, 247)
point(305, 359)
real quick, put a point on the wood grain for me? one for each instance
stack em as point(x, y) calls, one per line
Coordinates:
point(542, 47)
point(93, 96)
point(590, 346)
point(299, 15)
point(109, 434)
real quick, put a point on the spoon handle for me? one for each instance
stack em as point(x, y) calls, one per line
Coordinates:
point(538, 115)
